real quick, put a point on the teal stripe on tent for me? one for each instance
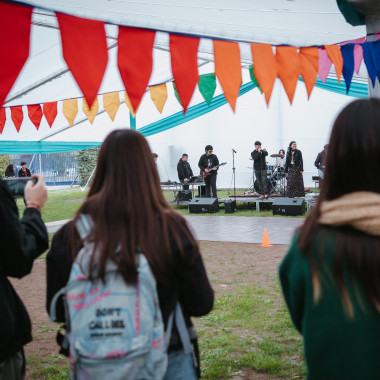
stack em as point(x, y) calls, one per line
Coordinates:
point(357, 90)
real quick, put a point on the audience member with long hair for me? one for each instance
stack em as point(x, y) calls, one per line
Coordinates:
point(130, 214)
point(331, 275)
point(9, 171)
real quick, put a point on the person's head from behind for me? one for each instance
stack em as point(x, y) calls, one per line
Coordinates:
point(354, 148)
point(9, 169)
point(185, 157)
point(128, 207)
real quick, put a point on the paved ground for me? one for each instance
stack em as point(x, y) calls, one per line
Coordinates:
point(238, 229)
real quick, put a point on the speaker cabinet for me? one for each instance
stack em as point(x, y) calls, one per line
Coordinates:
point(288, 206)
point(203, 205)
point(184, 195)
point(230, 206)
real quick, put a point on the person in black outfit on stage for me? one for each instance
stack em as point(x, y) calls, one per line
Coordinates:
point(209, 164)
point(294, 170)
point(320, 161)
point(184, 171)
point(260, 166)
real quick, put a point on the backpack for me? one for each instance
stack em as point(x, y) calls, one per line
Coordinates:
point(115, 330)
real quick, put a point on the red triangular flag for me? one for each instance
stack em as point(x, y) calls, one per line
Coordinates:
point(17, 116)
point(135, 61)
point(50, 112)
point(3, 118)
point(35, 114)
point(15, 21)
point(288, 68)
point(84, 48)
point(184, 60)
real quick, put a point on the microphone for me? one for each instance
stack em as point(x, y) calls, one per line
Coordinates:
point(233, 150)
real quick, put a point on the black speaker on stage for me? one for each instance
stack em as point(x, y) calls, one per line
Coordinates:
point(203, 205)
point(184, 195)
point(230, 206)
point(288, 206)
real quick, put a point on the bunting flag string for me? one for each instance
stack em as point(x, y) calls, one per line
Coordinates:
point(70, 110)
point(17, 116)
point(111, 103)
point(90, 112)
point(159, 94)
point(35, 114)
point(50, 112)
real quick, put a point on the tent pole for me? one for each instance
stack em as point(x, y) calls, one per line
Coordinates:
point(89, 179)
point(373, 26)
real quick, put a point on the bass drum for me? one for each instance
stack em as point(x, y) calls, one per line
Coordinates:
point(270, 184)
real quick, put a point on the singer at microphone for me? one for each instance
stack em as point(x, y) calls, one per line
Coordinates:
point(260, 166)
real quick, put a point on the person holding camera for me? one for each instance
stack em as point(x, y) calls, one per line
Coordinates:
point(23, 241)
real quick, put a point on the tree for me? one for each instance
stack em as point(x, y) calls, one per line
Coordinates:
point(5, 160)
point(86, 163)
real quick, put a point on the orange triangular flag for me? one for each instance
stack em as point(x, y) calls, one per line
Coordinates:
point(111, 103)
point(17, 116)
point(35, 114)
point(288, 68)
point(228, 69)
point(90, 113)
point(264, 68)
point(70, 110)
point(159, 94)
point(129, 104)
point(333, 52)
point(309, 65)
point(50, 112)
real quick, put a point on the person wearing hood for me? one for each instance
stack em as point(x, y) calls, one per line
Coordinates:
point(184, 171)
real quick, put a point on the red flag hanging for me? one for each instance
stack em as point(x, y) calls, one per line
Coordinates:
point(84, 48)
point(135, 61)
point(3, 118)
point(50, 112)
point(288, 68)
point(264, 68)
point(35, 114)
point(228, 69)
point(184, 60)
point(15, 21)
point(17, 116)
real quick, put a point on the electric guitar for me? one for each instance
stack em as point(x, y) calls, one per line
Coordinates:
point(205, 174)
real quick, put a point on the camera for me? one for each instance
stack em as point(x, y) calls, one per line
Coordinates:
point(17, 185)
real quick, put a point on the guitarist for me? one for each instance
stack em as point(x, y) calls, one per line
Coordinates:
point(208, 163)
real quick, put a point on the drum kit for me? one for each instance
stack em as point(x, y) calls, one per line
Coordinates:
point(275, 178)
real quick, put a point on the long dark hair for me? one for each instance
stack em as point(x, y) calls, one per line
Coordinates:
point(129, 210)
point(353, 149)
point(9, 172)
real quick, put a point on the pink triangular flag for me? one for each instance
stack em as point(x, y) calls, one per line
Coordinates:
point(324, 65)
point(358, 58)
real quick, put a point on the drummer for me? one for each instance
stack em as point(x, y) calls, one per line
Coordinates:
point(279, 158)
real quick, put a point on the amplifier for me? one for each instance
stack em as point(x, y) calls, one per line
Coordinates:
point(230, 206)
point(184, 195)
point(204, 205)
point(288, 206)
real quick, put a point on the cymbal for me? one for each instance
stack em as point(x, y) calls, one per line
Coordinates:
point(276, 155)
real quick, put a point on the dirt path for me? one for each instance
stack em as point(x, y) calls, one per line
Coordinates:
point(228, 266)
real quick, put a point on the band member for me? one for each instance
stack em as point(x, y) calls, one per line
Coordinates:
point(209, 164)
point(294, 171)
point(280, 159)
point(24, 171)
point(320, 161)
point(260, 166)
point(184, 171)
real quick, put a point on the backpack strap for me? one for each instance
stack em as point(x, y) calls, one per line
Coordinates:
point(84, 226)
point(182, 329)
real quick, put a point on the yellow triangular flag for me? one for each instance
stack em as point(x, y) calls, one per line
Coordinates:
point(70, 110)
point(111, 103)
point(90, 113)
point(159, 94)
point(129, 104)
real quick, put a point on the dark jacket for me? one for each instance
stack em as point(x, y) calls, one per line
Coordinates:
point(189, 279)
point(184, 170)
point(259, 160)
point(22, 241)
point(335, 346)
point(320, 160)
point(208, 162)
point(298, 161)
point(21, 173)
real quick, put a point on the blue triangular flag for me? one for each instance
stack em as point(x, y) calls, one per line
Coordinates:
point(348, 63)
point(369, 55)
point(376, 48)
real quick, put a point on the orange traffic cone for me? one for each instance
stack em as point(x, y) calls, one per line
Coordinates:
point(265, 242)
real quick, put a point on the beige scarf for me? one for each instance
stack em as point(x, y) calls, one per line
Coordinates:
point(360, 210)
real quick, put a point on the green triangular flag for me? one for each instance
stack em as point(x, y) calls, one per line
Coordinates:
point(207, 86)
point(176, 94)
point(253, 78)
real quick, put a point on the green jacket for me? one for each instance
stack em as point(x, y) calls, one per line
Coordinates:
point(336, 346)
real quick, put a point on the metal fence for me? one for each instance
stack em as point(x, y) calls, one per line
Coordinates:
point(57, 168)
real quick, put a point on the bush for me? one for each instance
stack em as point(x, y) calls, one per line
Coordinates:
point(86, 163)
point(5, 160)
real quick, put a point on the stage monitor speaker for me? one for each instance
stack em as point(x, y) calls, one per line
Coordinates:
point(203, 205)
point(230, 206)
point(288, 206)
